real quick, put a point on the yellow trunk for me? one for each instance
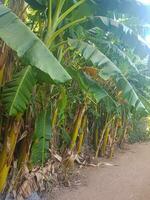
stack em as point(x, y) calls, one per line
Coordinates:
point(102, 136)
point(1, 75)
point(95, 139)
point(113, 141)
point(6, 156)
point(77, 126)
point(104, 145)
point(54, 119)
point(81, 137)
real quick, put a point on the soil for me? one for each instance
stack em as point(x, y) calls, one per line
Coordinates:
point(128, 178)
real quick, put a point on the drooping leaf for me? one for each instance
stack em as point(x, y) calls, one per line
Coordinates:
point(16, 93)
point(146, 102)
point(91, 87)
point(27, 45)
point(107, 70)
point(125, 34)
point(119, 57)
point(86, 9)
point(42, 135)
point(113, 52)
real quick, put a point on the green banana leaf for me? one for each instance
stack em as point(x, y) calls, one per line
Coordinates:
point(16, 94)
point(125, 34)
point(107, 70)
point(118, 56)
point(91, 87)
point(42, 135)
point(28, 46)
point(112, 51)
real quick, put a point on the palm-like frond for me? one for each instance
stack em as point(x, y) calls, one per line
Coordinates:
point(107, 70)
point(113, 52)
point(16, 93)
point(91, 87)
point(27, 45)
point(125, 34)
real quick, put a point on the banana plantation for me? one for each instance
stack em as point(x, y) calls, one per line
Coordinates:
point(74, 78)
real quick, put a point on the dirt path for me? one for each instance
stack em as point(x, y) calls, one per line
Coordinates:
point(128, 179)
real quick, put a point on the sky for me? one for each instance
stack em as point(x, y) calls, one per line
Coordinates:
point(147, 38)
point(145, 1)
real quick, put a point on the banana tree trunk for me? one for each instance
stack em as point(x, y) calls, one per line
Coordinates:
point(105, 140)
point(6, 155)
point(77, 126)
point(82, 134)
point(113, 140)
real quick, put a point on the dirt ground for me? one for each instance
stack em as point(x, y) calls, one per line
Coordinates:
point(127, 179)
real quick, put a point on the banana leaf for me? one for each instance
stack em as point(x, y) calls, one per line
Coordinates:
point(107, 70)
point(125, 34)
point(41, 140)
point(28, 46)
point(91, 87)
point(16, 94)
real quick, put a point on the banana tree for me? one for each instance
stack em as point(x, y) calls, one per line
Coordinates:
point(101, 90)
point(16, 93)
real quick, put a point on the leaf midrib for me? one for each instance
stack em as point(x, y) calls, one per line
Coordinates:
point(17, 92)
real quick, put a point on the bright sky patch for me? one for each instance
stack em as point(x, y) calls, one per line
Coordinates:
point(145, 1)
